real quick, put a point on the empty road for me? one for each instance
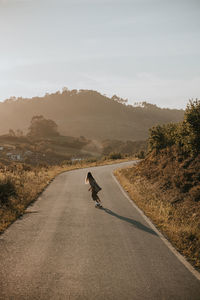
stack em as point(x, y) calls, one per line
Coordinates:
point(65, 248)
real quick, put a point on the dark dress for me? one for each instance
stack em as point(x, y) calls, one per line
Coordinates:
point(95, 188)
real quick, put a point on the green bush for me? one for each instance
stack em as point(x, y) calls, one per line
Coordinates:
point(185, 135)
point(162, 136)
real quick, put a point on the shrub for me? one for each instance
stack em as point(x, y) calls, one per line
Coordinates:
point(192, 119)
point(185, 135)
point(7, 189)
point(115, 155)
point(162, 136)
point(141, 154)
point(91, 160)
point(195, 193)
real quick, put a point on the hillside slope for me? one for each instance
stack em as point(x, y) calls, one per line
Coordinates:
point(168, 191)
point(86, 113)
point(166, 184)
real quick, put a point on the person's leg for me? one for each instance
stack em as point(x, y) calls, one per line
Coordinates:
point(95, 198)
point(99, 201)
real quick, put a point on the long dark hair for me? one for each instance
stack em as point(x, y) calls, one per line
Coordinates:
point(88, 177)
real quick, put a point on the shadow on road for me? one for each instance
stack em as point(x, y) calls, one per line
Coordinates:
point(27, 212)
point(31, 212)
point(131, 221)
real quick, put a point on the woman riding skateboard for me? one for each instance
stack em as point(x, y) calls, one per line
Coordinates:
point(94, 188)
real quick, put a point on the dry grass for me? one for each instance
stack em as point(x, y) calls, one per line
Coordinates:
point(21, 184)
point(179, 222)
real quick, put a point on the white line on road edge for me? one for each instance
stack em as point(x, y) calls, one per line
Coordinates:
point(167, 243)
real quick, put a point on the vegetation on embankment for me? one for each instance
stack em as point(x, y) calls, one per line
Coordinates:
point(21, 184)
point(166, 184)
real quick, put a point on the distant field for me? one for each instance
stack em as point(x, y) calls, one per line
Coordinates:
point(55, 150)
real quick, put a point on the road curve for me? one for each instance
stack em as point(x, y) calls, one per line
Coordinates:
point(65, 248)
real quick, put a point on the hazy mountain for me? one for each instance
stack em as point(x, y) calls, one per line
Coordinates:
point(86, 113)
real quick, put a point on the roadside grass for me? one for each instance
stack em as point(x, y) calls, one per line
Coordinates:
point(179, 222)
point(21, 184)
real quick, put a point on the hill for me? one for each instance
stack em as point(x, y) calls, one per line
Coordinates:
point(86, 113)
point(166, 184)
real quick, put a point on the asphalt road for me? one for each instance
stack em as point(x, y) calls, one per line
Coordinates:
point(65, 248)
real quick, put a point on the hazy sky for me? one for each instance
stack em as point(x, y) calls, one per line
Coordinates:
point(143, 50)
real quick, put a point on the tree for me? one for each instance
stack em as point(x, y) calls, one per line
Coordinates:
point(192, 119)
point(65, 89)
point(41, 127)
point(162, 136)
point(119, 100)
point(19, 133)
point(11, 132)
point(185, 135)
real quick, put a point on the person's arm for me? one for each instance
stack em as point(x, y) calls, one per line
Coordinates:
point(90, 189)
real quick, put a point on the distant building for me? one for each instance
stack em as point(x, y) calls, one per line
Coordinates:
point(28, 153)
point(9, 154)
point(76, 159)
point(14, 156)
